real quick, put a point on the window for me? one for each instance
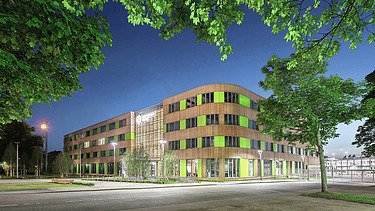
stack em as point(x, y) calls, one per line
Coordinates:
point(174, 107)
point(192, 122)
point(212, 119)
point(95, 154)
point(253, 124)
point(122, 151)
point(254, 105)
point(280, 148)
point(87, 133)
point(102, 153)
point(207, 141)
point(101, 141)
point(174, 145)
point(95, 131)
point(111, 139)
point(122, 123)
point(75, 146)
point(110, 168)
point(191, 143)
point(232, 141)
point(101, 168)
point(87, 144)
point(93, 168)
point(212, 167)
point(268, 146)
point(87, 155)
point(254, 144)
point(121, 137)
point(103, 128)
point(289, 149)
point(230, 97)
point(110, 152)
point(231, 119)
point(232, 168)
point(251, 168)
point(173, 126)
point(191, 102)
point(112, 126)
point(75, 157)
point(93, 143)
point(208, 97)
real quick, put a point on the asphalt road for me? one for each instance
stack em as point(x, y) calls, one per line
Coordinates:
point(269, 196)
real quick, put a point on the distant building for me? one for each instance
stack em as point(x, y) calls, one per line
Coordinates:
point(212, 129)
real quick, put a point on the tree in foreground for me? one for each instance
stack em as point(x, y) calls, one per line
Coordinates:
point(43, 49)
point(62, 164)
point(137, 163)
point(170, 163)
point(9, 158)
point(366, 133)
point(307, 106)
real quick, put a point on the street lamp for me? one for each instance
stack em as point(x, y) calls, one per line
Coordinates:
point(303, 166)
point(114, 157)
point(17, 158)
point(44, 127)
point(261, 166)
point(162, 142)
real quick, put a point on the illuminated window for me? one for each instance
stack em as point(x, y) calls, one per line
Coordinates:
point(87, 144)
point(101, 141)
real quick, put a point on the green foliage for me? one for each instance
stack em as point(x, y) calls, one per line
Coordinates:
point(44, 47)
point(10, 154)
point(366, 133)
point(62, 164)
point(307, 106)
point(137, 163)
point(170, 163)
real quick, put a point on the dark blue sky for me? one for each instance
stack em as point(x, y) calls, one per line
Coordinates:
point(141, 69)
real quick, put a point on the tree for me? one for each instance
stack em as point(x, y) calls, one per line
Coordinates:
point(366, 133)
point(307, 107)
point(23, 133)
point(137, 162)
point(62, 164)
point(10, 157)
point(170, 163)
point(43, 48)
point(37, 160)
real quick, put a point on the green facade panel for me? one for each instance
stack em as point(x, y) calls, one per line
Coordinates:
point(182, 168)
point(244, 100)
point(262, 167)
point(117, 124)
point(219, 141)
point(182, 104)
point(199, 140)
point(244, 168)
point(244, 121)
point(262, 145)
point(218, 97)
point(97, 168)
point(105, 168)
point(107, 127)
point(244, 142)
point(283, 170)
point(116, 138)
point(183, 124)
point(164, 128)
point(200, 168)
point(90, 168)
point(274, 146)
point(273, 168)
point(183, 144)
point(130, 136)
point(201, 120)
point(99, 129)
point(199, 99)
point(293, 167)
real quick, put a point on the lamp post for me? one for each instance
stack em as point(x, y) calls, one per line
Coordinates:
point(44, 127)
point(303, 166)
point(114, 157)
point(162, 142)
point(261, 166)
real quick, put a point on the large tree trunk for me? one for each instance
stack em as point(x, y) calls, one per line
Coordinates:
point(323, 172)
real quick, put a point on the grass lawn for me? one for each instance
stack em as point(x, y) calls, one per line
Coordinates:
point(344, 197)
point(15, 186)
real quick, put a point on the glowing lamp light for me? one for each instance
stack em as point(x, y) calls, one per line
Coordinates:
point(44, 126)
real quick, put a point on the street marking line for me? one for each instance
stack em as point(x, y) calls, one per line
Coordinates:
point(8, 205)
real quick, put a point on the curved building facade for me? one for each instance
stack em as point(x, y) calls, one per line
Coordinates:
point(213, 131)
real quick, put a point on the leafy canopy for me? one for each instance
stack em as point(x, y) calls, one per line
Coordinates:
point(366, 133)
point(43, 49)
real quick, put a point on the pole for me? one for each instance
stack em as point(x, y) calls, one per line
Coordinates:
point(114, 160)
point(80, 162)
point(46, 150)
point(17, 158)
point(162, 145)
